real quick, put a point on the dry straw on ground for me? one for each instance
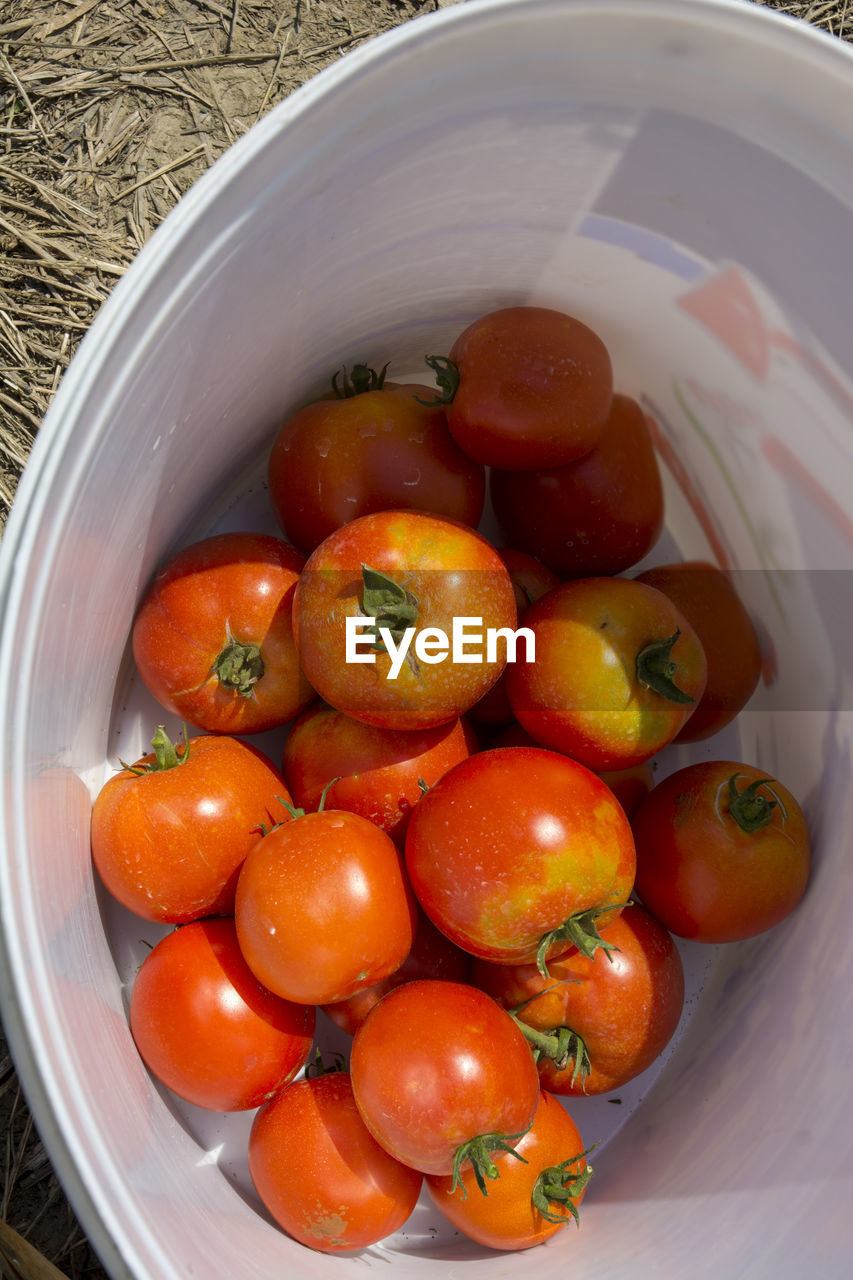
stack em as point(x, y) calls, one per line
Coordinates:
point(109, 111)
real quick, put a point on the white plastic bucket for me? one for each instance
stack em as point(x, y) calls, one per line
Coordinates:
point(677, 173)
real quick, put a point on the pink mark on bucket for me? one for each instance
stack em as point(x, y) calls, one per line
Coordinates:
point(726, 307)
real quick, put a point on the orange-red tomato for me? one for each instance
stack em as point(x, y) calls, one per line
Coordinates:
point(338, 459)
point(432, 956)
point(534, 388)
point(323, 907)
point(597, 515)
point(618, 670)
point(532, 1198)
point(409, 574)
point(723, 851)
point(628, 785)
point(324, 1179)
point(709, 601)
point(622, 1006)
point(378, 771)
point(207, 1028)
point(170, 833)
point(516, 848)
point(435, 1067)
point(213, 639)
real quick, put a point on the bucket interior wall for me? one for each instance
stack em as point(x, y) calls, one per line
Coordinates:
point(678, 175)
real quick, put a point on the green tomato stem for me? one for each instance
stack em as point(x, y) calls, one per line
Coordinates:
point(478, 1151)
point(447, 377)
point(561, 1185)
point(655, 669)
point(750, 811)
point(239, 667)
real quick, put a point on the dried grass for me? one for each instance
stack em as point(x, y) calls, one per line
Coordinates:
point(109, 111)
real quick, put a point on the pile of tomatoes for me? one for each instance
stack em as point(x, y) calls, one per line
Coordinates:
point(463, 861)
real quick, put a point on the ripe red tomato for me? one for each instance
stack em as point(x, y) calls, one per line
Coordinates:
point(533, 1198)
point(378, 770)
point(597, 515)
point(205, 1026)
point(323, 907)
point(376, 450)
point(723, 851)
point(442, 1076)
point(169, 833)
point(432, 956)
point(319, 1172)
point(402, 570)
point(709, 601)
point(618, 671)
point(628, 785)
point(530, 579)
point(518, 854)
point(530, 386)
point(600, 1020)
point(213, 639)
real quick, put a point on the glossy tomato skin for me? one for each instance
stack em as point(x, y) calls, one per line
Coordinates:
point(205, 1026)
point(530, 579)
point(624, 1004)
point(448, 570)
point(323, 907)
point(436, 1064)
point(511, 843)
point(628, 785)
point(322, 1176)
point(432, 956)
point(583, 694)
point(597, 515)
point(535, 388)
point(336, 460)
point(226, 588)
point(508, 1218)
point(169, 844)
point(709, 601)
point(703, 876)
point(379, 770)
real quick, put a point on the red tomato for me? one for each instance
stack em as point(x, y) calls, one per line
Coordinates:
point(531, 387)
point(378, 770)
point(723, 851)
point(618, 670)
point(709, 601)
point(442, 1075)
point(319, 1172)
point(205, 1026)
point(323, 907)
point(432, 956)
point(430, 571)
point(597, 515)
point(628, 785)
point(169, 833)
point(213, 639)
point(597, 1022)
point(339, 459)
point(530, 580)
point(518, 853)
point(533, 1198)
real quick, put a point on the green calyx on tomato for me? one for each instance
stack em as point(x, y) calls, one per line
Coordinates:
point(167, 755)
point(579, 930)
point(360, 378)
point(655, 669)
point(562, 1185)
point(388, 603)
point(447, 377)
point(299, 813)
point(561, 1045)
point(478, 1151)
point(319, 1066)
point(750, 810)
point(239, 666)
